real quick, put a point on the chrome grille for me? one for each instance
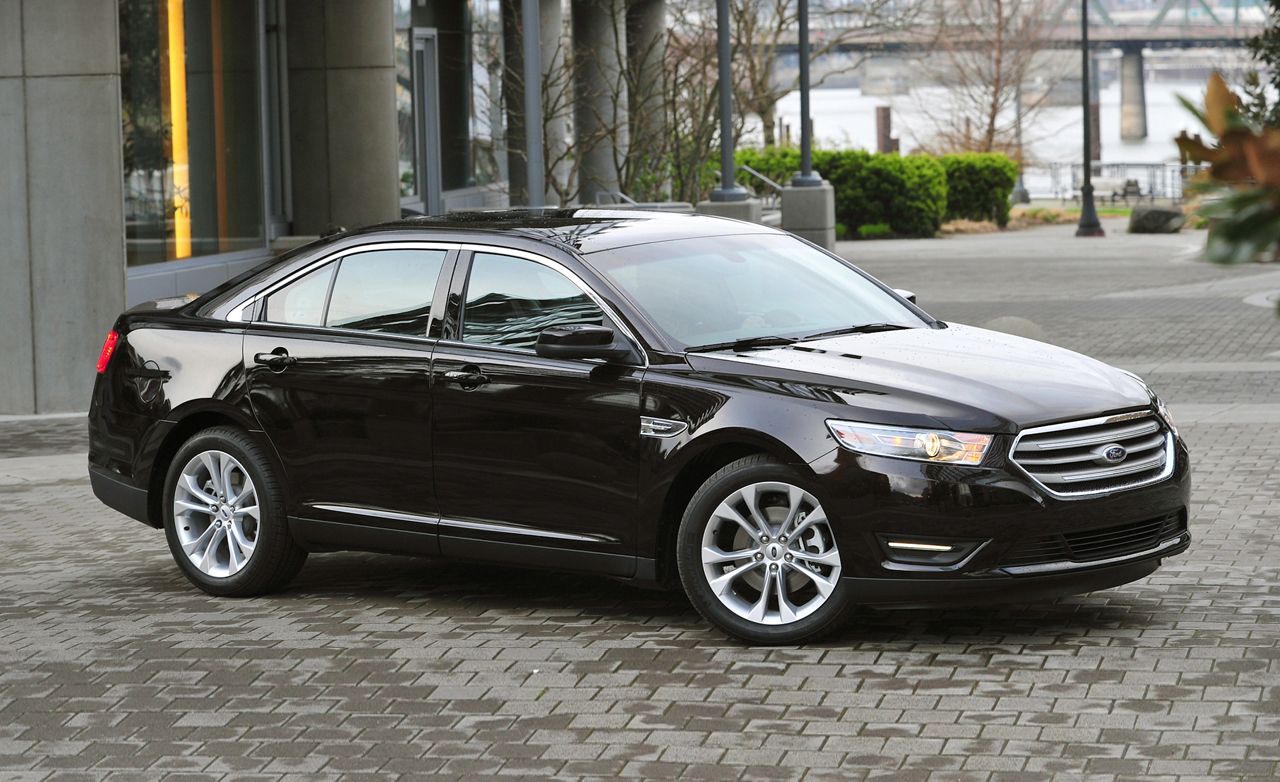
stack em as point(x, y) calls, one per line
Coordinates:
point(1079, 458)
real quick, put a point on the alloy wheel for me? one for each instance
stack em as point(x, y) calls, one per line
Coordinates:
point(215, 513)
point(769, 555)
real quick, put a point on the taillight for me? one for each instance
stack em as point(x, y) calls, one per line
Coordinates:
point(108, 348)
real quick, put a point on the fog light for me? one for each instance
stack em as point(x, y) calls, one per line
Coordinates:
point(911, 546)
point(903, 552)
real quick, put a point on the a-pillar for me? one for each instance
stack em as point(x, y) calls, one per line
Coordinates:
point(62, 256)
point(342, 113)
point(1133, 95)
point(600, 108)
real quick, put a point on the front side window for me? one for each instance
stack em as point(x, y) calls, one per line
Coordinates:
point(301, 302)
point(510, 300)
point(388, 291)
point(710, 290)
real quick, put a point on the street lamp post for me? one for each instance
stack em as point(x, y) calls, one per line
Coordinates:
point(1089, 225)
point(1020, 194)
point(806, 177)
point(729, 189)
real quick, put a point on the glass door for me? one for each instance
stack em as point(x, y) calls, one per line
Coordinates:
point(418, 105)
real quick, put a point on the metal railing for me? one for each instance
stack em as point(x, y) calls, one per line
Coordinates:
point(1126, 182)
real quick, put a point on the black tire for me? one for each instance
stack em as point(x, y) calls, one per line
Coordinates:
point(827, 618)
point(276, 558)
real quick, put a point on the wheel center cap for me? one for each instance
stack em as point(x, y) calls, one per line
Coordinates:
point(773, 551)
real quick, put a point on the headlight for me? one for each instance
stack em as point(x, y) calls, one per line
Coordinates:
point(925, 445)
point(1163, 412)
point(1157, 402)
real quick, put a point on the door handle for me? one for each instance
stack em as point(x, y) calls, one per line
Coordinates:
point(277, 360)
point(466, 379)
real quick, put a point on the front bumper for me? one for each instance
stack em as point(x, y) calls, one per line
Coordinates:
point(1012, 540)
point(936, 592)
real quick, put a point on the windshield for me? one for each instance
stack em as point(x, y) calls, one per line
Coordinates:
point(730, 288)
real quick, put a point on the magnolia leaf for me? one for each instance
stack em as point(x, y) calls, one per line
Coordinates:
point(1262, 153)
point(1221, 106)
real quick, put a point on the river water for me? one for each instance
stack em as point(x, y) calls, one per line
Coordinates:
point(845, 118)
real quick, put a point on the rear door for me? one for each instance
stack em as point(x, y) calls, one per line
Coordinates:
point(339, 372)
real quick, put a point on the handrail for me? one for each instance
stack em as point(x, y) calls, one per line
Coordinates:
point(617, 195)
point(744, 167)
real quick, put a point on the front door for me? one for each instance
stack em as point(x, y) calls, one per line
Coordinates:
point(339, 374)
point(535, 458)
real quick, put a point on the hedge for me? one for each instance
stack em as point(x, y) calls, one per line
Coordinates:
point(912, 195)
point(979, 185)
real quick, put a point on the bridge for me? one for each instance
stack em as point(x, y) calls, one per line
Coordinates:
point(1173, 24)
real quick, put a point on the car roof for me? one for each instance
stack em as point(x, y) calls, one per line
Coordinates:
point(585, 230)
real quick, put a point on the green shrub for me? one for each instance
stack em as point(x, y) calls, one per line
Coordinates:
point(979, 185)
point(874, 231)
point(909, 194)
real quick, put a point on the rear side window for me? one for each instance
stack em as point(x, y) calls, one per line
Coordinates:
point(387, 291)
point(302, 301)
point(510, 300)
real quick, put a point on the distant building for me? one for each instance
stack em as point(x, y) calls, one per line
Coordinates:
point(154, 147)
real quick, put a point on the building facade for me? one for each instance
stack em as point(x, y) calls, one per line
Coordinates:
point(150, 148)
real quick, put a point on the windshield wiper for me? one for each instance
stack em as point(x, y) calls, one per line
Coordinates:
point(865, 328)
point(746, 343)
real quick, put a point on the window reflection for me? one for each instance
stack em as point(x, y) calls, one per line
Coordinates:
point(387, 291)
point(301, 302)
point(510, 300)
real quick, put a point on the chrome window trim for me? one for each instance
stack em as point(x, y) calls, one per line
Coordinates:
point(1169, 453)
point(236, 315)
point(554, 266)
point(1052, 567)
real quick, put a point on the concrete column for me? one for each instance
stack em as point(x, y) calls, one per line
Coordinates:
point(600, 105)
point(62, 257)
point(1133, 95)
point(556, 100)
point(646, 49)
point(342, 115)
point(810, 213)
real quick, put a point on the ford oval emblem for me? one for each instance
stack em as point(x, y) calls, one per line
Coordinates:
point(1114, 453)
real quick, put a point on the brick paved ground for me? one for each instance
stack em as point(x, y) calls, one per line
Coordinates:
point(111, 665)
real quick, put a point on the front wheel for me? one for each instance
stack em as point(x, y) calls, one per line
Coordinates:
point(224, 516)
point(758, 557)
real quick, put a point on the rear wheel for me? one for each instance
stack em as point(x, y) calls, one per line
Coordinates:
point(224, 516)
point(758, 557)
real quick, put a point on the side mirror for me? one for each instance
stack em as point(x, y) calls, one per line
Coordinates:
point(906, 294)
point(581, 340)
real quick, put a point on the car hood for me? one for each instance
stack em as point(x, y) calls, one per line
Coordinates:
point(958, 377)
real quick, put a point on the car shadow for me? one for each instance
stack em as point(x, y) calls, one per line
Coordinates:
point(466, 597)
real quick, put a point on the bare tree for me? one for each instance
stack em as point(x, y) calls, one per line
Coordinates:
point(763, 27)
point(987, 51)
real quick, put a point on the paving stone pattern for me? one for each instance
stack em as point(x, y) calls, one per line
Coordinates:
point(111, 665)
